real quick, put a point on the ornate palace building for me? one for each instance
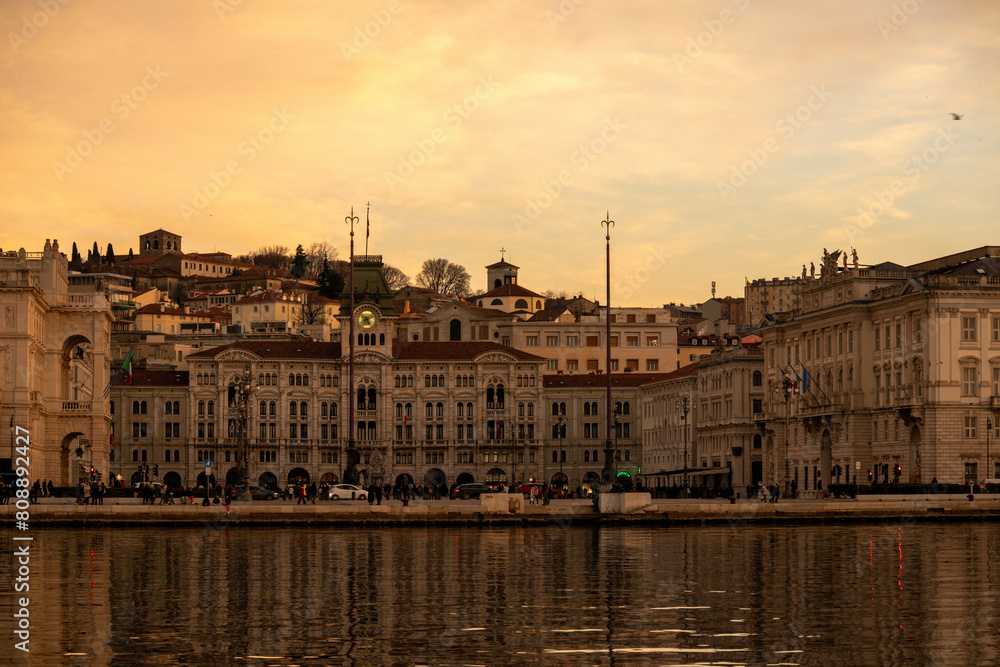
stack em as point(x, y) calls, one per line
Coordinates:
point(54, 342)
point(886, 368)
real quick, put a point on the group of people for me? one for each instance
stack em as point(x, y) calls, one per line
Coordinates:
point(90, 494)
point(764, 493)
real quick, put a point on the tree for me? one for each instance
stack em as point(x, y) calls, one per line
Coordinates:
point(312, 313)
point(131, 255)
point(396, 279)
point(95, 255)
point(274, 257)
point(330, 282)
point(441, 276)
point(76, 260)
point(299, 262)
point(316, 253)
point(110, 256)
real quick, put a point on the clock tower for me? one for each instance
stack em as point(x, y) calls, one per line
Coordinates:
point(374, 320)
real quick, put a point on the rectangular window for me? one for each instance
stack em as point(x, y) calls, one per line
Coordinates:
point(996, 330)
point(632, 341)
point(142, 429)
point(970, 426)
point(552, 341)
point(592, 341)
point(572, 341)
point(631, 364)
point(652, 341)
point(899, 335)
point(614, 341)
point(877, 339)
point(968, 328)
point(531, 341)
point(850, 342)
point(970, 381)
point(630, 318)
point(888, 344)
point(996, 383)
point(652, 365)
point(572, 364)
point(650, 319)
point(551, 364)
point(592, 364)
point(614, 364)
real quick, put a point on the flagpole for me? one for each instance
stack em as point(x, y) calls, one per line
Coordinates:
point(368, 226)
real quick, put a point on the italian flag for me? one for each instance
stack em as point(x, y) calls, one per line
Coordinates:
point(127, 366)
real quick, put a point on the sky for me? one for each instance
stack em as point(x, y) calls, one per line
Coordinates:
point(726, 139)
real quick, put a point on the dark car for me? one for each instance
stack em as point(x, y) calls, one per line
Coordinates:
point(466, 491)
point(260, 493)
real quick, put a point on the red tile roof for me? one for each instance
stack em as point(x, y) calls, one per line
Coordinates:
point(269, 296)
point(147, 378)
point(273, 349)
point(617, 379)
point(510, 290)
point(454, 350)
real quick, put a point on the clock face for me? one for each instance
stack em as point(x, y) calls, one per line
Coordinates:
point(366, 319)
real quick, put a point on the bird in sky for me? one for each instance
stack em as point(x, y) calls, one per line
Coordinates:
point(957, 116)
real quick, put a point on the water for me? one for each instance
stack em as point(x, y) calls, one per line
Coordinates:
point(576, 595)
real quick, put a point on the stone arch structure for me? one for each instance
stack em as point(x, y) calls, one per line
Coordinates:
point(435, 476)
point(172, 479)
point(76, 369)
point(298, 476)
point(465, 478)
point(455, 330)
point(73, 462)
point(268, 480)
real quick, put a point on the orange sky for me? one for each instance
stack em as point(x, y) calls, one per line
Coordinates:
point(727, 139)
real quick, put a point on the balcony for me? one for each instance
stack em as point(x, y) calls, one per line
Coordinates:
point(76, 406)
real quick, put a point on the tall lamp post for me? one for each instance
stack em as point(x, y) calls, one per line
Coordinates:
point(684, 415)
point(560, 424)
point(607, 475)
point(989, 427)
point(243, 386)
point(350, 474)
point(786, 386)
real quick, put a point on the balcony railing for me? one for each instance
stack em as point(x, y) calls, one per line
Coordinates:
point(76, 406)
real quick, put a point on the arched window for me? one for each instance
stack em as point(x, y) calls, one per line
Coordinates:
point(272, 408)
point(461, 409)
point(586, 408)
point(144, 456)
point(211, 407)
point(166, 455)
point(292, 409)
point(531, 409)
point(756, 378)
point(323, 408)
point(304, 409)
point(427, 380)
point(142, 407)
point(361, 398)
point(429, 410)
point(440, 409)
point(305, 380)
point(135, 455)
point(291, 379)
point(626, 409)
point(521, 304)
point(468, 410)
point(381, 339)
point(555, 408)
point(586, 456)
point(496, 302)
point(177, 455)
point(455, 330)
point(555, 456)
point(371, 398)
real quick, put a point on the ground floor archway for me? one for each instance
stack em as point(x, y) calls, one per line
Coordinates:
point(201, 479)
point(496, 477)
point(298, 476)
point(404, 479)
point(136, 478)
point(268, 480)
point(559, 480)
point(465, 478)
point(625, 480)
point(436, 477)
point(592, 478)
point(329, 478)
point(172, 479)
point(233, 476)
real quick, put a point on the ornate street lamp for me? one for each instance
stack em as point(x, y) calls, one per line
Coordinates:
point(608, 475)
point(989, 427)
point(242, 386)
point(786, 386)
point(684, 415)
point(560, 424)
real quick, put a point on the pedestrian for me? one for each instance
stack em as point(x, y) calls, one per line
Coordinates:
point(4, 498)
point(795, 488)
point(546, 494)
point(301, 494)
point(102, 490)
point(86, 492)
point(79, 492)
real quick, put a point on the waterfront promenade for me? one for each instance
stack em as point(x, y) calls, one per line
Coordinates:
point(501, 509)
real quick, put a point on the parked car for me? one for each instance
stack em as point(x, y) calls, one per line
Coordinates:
point(346, 492)
point(260, 493)
point(467, 491)
point(525, 489)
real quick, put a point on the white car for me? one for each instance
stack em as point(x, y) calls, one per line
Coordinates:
point(346, 492)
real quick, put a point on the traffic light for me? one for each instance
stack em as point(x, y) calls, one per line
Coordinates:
point(897, 471)
point(156, 469)
point(871, 476)
point(98, 476)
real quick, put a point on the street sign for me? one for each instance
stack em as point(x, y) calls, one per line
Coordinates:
point(208, 463)
point(857, 465)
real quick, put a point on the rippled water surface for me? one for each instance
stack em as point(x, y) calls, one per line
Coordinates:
point(816, 595)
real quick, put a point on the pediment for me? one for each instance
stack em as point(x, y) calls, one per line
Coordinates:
point(370, 358)
point(496, 358)
point(237, 355)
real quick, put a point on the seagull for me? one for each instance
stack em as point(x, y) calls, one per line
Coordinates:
point(957, 116)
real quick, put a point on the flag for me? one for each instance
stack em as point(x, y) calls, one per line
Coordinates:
point(806, 376)
point(127, 366)
point(404, 419)
point(797, 383)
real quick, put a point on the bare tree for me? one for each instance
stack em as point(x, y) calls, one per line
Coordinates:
point(397, 279)
point(441, 276)
point(312, 313)
point(315, 254)
point(275, 257)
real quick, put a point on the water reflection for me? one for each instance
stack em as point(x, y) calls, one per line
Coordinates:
point(835, 595)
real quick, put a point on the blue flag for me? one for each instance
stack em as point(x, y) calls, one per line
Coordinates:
point(806, 376)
